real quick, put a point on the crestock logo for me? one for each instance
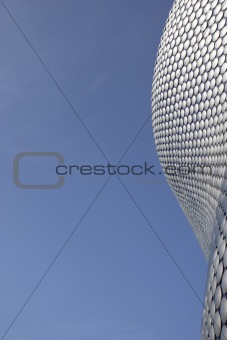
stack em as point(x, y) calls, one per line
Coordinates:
point(62, 170)
point(99, 170)
point(16, 170)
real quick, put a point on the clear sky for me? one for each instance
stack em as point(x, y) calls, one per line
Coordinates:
point(114, 279)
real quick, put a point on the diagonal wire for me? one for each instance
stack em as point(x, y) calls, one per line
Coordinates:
point(134, 139)
point(54, 260)
point(54, 80)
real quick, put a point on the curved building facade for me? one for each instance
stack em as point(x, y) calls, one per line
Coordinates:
point(189, 117)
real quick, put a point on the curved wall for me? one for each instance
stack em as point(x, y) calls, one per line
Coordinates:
point(189, 116)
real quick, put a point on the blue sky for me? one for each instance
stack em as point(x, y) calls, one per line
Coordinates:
point(114, 279)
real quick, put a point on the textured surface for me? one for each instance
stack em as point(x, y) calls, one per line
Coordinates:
point(189, 113)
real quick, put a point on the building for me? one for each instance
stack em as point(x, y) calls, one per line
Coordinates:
point(189, 117)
